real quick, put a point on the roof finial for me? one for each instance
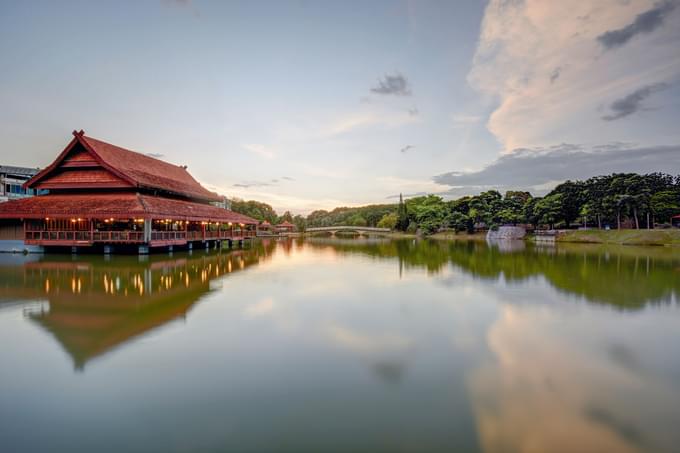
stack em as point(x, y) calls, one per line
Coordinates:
point(79, 133)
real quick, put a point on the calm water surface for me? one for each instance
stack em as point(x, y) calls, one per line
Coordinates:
point(343, 345)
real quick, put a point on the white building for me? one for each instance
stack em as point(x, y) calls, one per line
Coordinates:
point(12, 180)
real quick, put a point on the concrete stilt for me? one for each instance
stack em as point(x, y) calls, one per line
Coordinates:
point(74, 250)
point(143, 250)
point(108, 249)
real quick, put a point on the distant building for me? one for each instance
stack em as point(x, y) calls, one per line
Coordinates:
point(264, 228)
point(12, 180)
point(285, 227)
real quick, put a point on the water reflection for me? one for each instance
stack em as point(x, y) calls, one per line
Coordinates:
point(625, 277)
point(96, 304)
point(343, 345)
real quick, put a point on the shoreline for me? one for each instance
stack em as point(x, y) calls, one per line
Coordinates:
point(642, 237)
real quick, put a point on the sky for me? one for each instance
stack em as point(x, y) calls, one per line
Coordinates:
point(315, 104)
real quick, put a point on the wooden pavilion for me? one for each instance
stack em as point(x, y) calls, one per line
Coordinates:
point(104, 195)
point(285, 227)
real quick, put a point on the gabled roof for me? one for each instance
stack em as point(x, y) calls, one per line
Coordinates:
point(117, 205)
point(285, 224)
point(137, 169)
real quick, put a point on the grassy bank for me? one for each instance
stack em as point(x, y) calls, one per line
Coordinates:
point(623, 237)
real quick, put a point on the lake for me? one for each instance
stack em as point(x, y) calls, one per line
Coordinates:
point(332, 344)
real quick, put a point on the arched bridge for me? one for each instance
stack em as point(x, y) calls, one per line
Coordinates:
point(348, 228)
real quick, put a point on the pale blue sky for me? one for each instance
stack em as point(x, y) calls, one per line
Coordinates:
point(273, 101)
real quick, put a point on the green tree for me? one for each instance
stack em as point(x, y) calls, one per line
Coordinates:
point(402, 215)
point(356, 220)
point(549, 209)
point(388, 221)
point(665, 204)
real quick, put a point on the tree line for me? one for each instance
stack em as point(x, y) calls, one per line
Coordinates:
point(619, 200)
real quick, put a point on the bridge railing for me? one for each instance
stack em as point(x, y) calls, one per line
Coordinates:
point(349, 228)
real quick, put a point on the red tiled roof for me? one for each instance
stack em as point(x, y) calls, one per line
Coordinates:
point(285, 224)
point(117, 205)
point(138, 169)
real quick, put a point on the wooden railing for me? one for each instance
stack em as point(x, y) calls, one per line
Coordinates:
point(59, 236)
point(132, 236)
point(118, 236)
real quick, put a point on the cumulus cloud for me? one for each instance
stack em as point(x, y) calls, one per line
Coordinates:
point(645, 22)
point(396, 84)
point(632, 102)
point(541, 66)
point(536, 167)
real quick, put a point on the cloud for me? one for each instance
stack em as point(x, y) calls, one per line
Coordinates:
point(406, 148)
point(520, 68)
point(466, 120)
point(260, 150)
point(413, 111)
point(645, 22)
point(287, 178)
point(555, 74)
point(407, 195)
point(632, 102)
point(532, 168)
point(363, 119)
point(156, 155)
point(396, 84)
point(249, 184)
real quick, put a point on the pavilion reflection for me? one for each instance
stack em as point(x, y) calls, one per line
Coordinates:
point(95, 305)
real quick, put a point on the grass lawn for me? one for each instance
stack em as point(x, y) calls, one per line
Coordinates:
point(623, 237)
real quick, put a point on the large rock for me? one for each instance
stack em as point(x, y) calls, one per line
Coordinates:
point(506, 232)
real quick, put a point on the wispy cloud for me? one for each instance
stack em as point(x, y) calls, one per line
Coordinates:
point(555, 74)
point(249, 184)
point(645, 22)
point(632, 102)
point(260, 150)
point(406, 195)
point(461, 120)
point(395, 84)
point(287, 178)
point(156, 155)
point(413, 111)
point(369, 118)
point(406, 148)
